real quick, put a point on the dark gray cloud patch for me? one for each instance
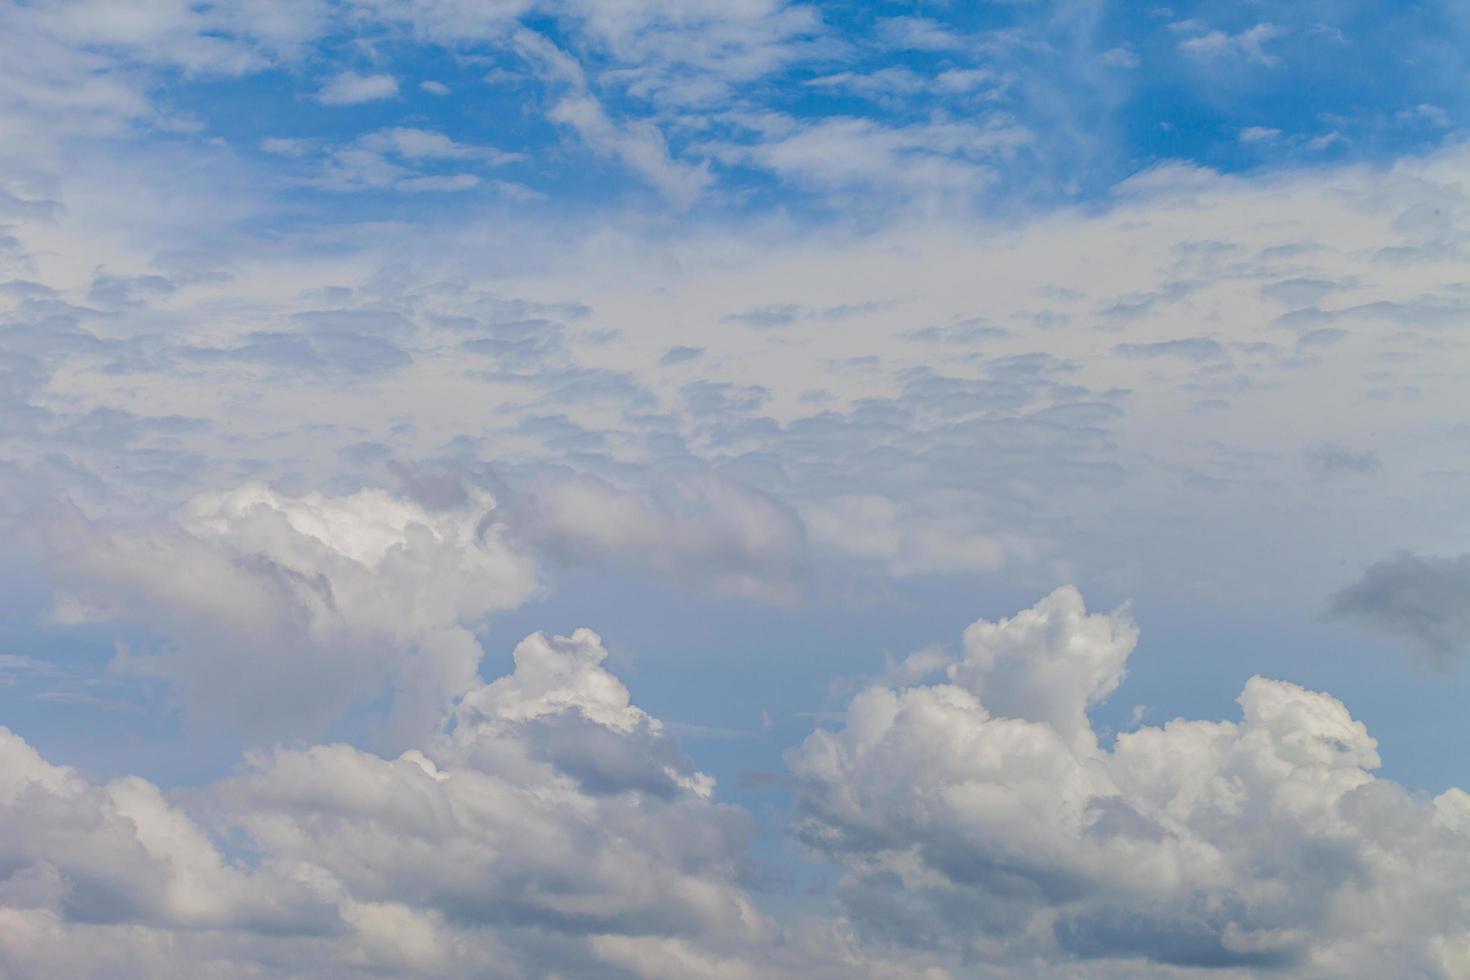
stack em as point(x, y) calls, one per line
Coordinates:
point(117, 291)
point(765, 317)
point(1328, 459)
point(1424, 600)
point(1299, 292)
point(327, 352)
point(681, 355)
point(1188, 348)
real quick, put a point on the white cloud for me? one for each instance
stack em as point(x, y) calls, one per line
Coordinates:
point(1259, 134)
point(918, 34)
point(395, 158)
point(873, 527)
point(638, 144)
point(706, 530)
point(439, 183)
point(351, 88)
point(562, 812)
point(1249, 44)
point(288, 611)
point(1121, 57)
point(548, 823)
point(426, 144)
point(934, 163)
point(554, 827)
point(983, 816)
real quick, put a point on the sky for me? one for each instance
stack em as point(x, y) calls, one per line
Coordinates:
point(745, 489)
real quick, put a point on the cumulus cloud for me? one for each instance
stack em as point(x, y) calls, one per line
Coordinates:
point(983, 816)
point(552, 809)
point(1422, 599)
point(550, 825)
point(283, 612)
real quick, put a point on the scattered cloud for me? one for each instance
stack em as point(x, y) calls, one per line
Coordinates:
point(1330, 459)
point(1249, 44)
point(1422, 599)
point(350, 88)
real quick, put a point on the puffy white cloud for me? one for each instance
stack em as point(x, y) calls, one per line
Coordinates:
point(551, 826)
point(285, 612)
point(501, 838)
point(982, 816)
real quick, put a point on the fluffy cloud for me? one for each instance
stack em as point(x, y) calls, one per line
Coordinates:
point(553, 808)
point(550, 825)
point(982, 816)
point(283, 612)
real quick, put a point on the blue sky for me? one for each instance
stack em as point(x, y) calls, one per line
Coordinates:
point(1011, 455)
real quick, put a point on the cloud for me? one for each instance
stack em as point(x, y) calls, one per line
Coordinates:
point(904, 540)
point(765, 317)
point(917, 34)
point(983, 816)
point(1330, 460)
point(1422, 599)
point(350, 88)
point(1248, 44)
point(930, 162)
point(553, 812)
point(639, 145)
point(282, 613)
point(1121, 57)
point(1259, 134)
point(705, 530)
point(1189, 348)
point(549, 825)
point(398, 158)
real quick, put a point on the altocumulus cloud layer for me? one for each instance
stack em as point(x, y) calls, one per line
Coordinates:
point(357, 356)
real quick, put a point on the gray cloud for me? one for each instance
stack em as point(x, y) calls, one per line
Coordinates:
point(1189, 348)
point(1330, 460)
point(1424, 600)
